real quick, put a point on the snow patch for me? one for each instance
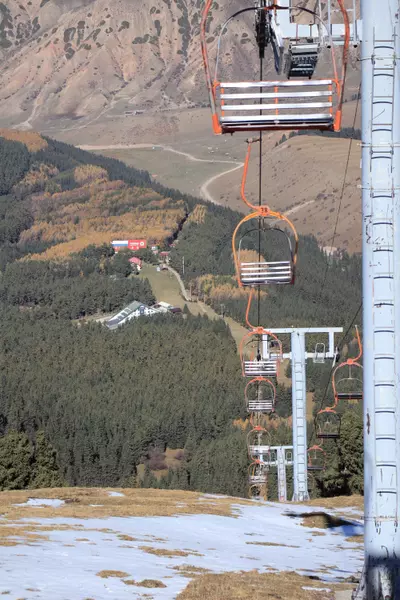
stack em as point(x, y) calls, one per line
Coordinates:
point(38, 502)
point(62, 567)
point(116, 494)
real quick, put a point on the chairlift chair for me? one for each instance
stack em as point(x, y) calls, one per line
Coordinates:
point(319, 353)
point(258, 491)
point(258, 473)
point(260, 395)
point(316, 459)
point(350, 387)
point(254, 362)
point(301, 59)
point(264, 272)
point(265, 105)
point(289, 457)
point(258, 444)
point(327, 424)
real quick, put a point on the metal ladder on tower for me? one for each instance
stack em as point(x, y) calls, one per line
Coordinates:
point(300, 492)
point(384, 66)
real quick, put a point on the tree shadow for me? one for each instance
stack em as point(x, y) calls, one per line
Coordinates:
point(323, 520)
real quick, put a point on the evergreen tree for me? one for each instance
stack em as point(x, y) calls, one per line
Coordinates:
point(45, 469)
point(351, 451)
point(15, 461)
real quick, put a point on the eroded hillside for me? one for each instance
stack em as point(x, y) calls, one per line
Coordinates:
point(69, 61)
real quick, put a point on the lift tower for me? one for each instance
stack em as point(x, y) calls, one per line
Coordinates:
point(298, 356)
point(381, 296)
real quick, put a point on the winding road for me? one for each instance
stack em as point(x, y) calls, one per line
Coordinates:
point(204, 191)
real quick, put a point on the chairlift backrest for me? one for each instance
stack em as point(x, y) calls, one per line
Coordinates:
point(320, 353)
point(289, 456)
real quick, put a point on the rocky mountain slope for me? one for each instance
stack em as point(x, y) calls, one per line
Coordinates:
point(74, 59)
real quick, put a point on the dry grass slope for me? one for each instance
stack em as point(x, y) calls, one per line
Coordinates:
point(305, 179)
point(168, 553)
point(106, 574)
point(147, 583)
point(134, 503)
point(257, 586)
point(32, 140)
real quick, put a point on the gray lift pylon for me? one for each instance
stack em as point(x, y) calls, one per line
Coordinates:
point(380, 100)
point(284, 456)
point(298, 356)
point(280, 457)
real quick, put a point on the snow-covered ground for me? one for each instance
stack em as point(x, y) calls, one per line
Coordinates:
point(261, 537)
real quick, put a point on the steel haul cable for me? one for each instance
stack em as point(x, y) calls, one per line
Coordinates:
point(229, 118)
point(342, 191)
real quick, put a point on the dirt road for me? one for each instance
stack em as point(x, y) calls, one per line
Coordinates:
point(204, 192)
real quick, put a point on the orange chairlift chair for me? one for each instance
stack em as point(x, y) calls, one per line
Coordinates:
point(349, 387)
point(263, 272)
point(265, 105)
point(254, 362)
point(258, 444)
point(316, 459)
point(258, 473)
point(327, 424)
point(260, 395)
point(258, 491)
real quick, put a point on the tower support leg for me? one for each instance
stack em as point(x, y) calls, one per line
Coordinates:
point(381, 297)
point(282, 487)
point(299, 399)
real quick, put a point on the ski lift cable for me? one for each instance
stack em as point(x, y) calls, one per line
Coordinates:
point(343, 189)
point(341, 197)
point(260, 166)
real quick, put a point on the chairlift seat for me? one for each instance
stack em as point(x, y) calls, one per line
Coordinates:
point(301, 60)
point(265, 406)
point(318, 360)
point(260, 368)
point(259, 450)
point(324, 435)
point(271, 105)
point(315, 468)
point(261, 273)
point(258, 478)
point(349, 395)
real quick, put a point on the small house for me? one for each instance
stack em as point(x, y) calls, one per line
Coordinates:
point(136, 263)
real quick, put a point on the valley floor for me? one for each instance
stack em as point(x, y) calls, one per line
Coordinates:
point(85, 544)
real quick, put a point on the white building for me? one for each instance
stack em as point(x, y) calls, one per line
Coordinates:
point(132, 311)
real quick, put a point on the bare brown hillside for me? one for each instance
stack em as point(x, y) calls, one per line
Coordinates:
point(72, 59)
point(304, 177)
point(94, 72)
point(94, 63)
